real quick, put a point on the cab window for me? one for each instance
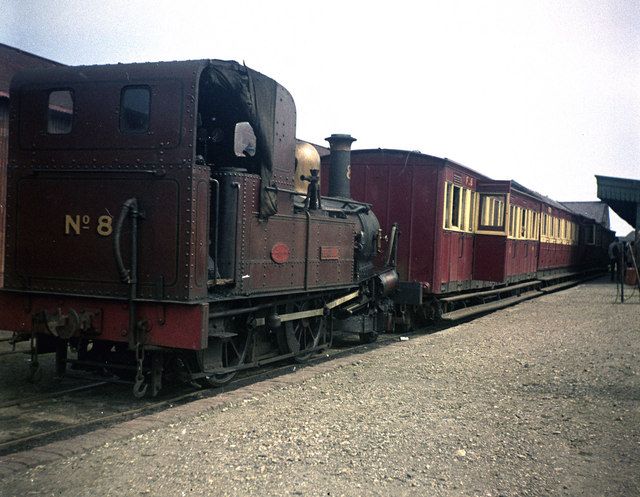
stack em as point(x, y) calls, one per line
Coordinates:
point(135, 109)
point(60, 112)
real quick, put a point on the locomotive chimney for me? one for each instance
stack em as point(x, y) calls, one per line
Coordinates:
point(340, 172)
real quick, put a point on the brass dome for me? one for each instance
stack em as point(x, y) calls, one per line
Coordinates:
point(307, 158)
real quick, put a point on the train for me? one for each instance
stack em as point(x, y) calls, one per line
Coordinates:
point(161, 218)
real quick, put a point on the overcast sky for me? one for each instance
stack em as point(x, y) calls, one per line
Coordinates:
point(546, 92)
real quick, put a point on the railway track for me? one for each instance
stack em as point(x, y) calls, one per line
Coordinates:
point(61, 414)
point(8, 347)
point(35, 420)
point(49, 395)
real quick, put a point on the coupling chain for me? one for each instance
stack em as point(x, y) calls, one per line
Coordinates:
point(139, 362)
point(139, 387)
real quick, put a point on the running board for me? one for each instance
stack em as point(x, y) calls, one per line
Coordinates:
point(222, 334)
point(566, 284)
point(570, 283)
point(486, 293)
point(560, 286)
point(313, 312)
point(558, 276)
point(490, 306)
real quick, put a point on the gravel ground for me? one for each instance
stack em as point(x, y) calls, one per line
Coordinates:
point(539, 399)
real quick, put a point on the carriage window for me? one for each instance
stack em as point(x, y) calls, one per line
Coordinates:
point(458, 207)
point(513, 221)
point(570, 232)
point(492, 209)
point(60, 112)
point(524, 222)
point(455, 207)
point(134, 109)
point(467, 210)
point(451, 208)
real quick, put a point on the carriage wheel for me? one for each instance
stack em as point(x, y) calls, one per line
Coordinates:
point(302, 334)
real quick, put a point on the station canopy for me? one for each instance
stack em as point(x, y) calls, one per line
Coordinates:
point(623, 196)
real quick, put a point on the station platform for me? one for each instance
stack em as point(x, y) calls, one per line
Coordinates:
point(542, 398)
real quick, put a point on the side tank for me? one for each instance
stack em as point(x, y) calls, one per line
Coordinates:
point(367, 232)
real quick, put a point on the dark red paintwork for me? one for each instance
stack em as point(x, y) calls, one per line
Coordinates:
point(408, 188)
point(521, 258)
point(491, 249)
point(555, 255)
point(12, 60)
point(64, 188)
point(180, 326)
point(91, 171)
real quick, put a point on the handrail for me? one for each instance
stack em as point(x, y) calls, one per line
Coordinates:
point(217, 224)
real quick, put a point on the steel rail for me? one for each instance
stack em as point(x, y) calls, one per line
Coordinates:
point(35, 398)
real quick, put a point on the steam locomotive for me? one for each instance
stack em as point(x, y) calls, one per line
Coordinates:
point(161, 217)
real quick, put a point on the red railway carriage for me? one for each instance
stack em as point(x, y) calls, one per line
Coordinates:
point(559, 237)
point(506, 245)
point(594, 240)
point(522, 235)
point(594, 234)
point(151, 207)
point(432, 200)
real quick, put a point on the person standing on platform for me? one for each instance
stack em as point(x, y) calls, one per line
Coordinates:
point(614, 255)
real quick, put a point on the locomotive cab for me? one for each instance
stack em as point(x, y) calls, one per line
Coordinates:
point(224, 137)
